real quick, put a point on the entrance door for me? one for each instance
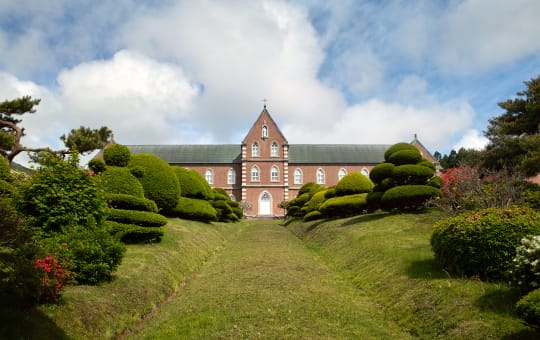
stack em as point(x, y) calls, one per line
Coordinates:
point(265, 204)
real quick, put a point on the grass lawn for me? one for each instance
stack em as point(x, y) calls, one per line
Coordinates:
point(369, 276)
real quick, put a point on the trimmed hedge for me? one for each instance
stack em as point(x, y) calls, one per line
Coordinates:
point(132, 234)
point(411, 174)
point(195, 209)
point(408, 156)
point(436, 182)
point(315, 202)
point(129, 202)
point(353, 183)
point(306, 188)
point(159, 181)
point(343, 206)
point(483, 243)
point(408, 197)
point(116, 180)
point(313, 215)
point(140, 218)
point(381, 171)
point(97, 165)
point(398, 147)
point(116, 155)
point(427, 164)
point(528, 308)
point(192, 183)
point(296, 204)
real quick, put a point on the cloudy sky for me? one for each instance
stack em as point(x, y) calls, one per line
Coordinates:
point(196, 72)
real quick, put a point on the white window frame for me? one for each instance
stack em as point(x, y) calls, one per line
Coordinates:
point(298, 176)
point(255, 151)
point(365, 172)
point(255, 174)
point(274, 150)
point(321, 176)
point(231, 176)
point(342, 173)
point(274, 174)
point(209, 176)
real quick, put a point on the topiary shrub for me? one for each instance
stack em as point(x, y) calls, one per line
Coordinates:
point(436, 182)
point(313, 215)
point(117, 180)
point(381, 171)
point(97, 166)
point(343, 206)
point(192, 183)
point(159, 181)
point(411, 174)
point(427, 164)
point(398, 147)
point(374, 200)
point(315, 202)
point(295, 206)
point(116, 155)
point(482, 243)
point(408, 156)
point(129, 202)
point(140, 218)
point(353, 183)
point(132, 234)
point(311, 186)
point(528, 308)
point(408, 197)
point(195, 209)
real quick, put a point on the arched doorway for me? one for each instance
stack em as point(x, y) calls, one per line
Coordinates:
point(265, 204)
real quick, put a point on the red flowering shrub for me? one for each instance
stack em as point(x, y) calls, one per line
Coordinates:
point(53, 280)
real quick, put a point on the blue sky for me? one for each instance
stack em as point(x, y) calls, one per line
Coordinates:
point(186, 72)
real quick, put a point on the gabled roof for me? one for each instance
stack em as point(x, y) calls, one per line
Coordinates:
point(337, 153)
point(265, 114)
point(192, 154)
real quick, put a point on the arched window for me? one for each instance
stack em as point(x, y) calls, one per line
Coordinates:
point(274, 151)
point(264, 132)
point(274, 174)
point(209, 176)
point(255, 149)
point(365, 172)
point(231, 176)
point(298, 176)
point(342, 172)
point(255, 174)
point(320, 176)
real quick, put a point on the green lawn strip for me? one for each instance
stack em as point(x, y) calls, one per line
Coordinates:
point(147, 276)
point(267, 284)
point(389, 258)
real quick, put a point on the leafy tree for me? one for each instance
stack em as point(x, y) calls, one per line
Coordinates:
point(513, 136)
point(85, 139)
point(463, 157)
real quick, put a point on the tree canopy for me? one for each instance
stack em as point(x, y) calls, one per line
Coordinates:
point(85, 139)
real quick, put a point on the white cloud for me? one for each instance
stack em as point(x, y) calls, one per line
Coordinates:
point(472, 139)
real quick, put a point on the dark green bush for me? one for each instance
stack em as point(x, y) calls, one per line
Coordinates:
point(411, 174)
point(97, 165)
point(116, 155)
point(140, 218)
point(5, 187)
point(436, 182)
point(159, 181)
point(408, 156)
point(353, 183)
point(296, 204)
point(313, 215)
point(483, 243)
point(528, 308)
point(131, 234)
point(381, 171)
point(343, 206)
point(5, 171)
point(427, 164)
point(195, 209)
point(330, 192)
point(192, 183)
point(238, 212)
point(129, 202)
point(315, 202)
point(408, 197)
point(398, 147)
point(374, 200)
point(117, 180)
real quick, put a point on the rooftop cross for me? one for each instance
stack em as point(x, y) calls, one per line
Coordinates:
point(264, 101)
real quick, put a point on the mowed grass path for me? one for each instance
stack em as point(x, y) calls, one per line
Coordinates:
point(267, 284)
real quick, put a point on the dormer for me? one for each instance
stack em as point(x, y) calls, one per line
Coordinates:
point(264, 139)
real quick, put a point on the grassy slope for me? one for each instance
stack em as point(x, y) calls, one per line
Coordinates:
point(388, 257)
point(147, 276)
point(266, 284)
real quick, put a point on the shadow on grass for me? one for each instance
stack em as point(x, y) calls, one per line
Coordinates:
point(501, 301)
point(26, 322)
point(525, 334)
point(426, 269)
point(365, 218)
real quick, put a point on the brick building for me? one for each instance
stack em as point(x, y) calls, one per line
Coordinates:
point(265, 169)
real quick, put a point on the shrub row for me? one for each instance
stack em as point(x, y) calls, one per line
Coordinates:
point(129, 202)
point(344, 205)
point(408, 197)
point(141, 218)
point(195, 209)
point(131, 234)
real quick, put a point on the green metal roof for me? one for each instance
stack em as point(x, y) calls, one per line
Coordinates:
point(192, 154)
point(337, 153)
point(298, 153)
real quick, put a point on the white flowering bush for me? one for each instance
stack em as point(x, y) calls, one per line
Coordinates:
point(525, 269)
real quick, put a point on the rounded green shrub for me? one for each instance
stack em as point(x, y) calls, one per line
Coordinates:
point(398, 147)
point(129, 202)
point(353, 183)
point(116, 155)
point(116, 180)
point(374, 200)
point(408, 156)
point(97, 165)
point(436, 182)
point(343, 206)
point(330, 192)
point(192, 183)
point(313, 215)
point(408, 197)
point(528, 308)
point(159, 181)
point(411, 174)
point(427, 164)
point(132, 234)
point(381, 171)
point(483, 243)
point(140, 218)
point(315, 202)
point(306, 188)
point(5, 171)
point(195, 209)
point(296, 204)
